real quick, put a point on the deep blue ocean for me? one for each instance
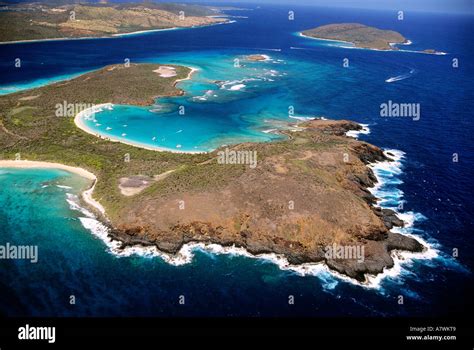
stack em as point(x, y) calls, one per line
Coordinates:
point(304, 73)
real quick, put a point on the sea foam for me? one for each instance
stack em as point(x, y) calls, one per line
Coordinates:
point(390, 197)
point(301, 118)
point(237, 87)
point(401, 77)
point(355, 133)
point(385, 173)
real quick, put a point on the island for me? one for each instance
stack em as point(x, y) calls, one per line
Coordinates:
point(256, 58)
point(433, 52)
point(307, 192)
point(43, 21)
point(359, 35)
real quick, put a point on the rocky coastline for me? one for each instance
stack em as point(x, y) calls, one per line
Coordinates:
point(259, 235)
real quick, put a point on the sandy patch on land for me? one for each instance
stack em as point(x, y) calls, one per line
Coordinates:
point(28, 98)
point(166, 72)
point(132, 185)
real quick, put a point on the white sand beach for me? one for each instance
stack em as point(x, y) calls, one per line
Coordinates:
point(78, 120)
point(112, 36)
point(314, 38)
point(86, 195)
point(146, 31)
point(189, 76)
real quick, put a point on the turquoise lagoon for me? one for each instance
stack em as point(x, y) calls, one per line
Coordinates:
point(228, 100)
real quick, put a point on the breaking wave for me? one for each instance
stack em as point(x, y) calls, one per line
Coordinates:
point(390, 197)
point(386, 173)
point(355, 133)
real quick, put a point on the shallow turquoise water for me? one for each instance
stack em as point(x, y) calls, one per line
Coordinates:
point(40, 207)
point(20, 86)
point(229, 100)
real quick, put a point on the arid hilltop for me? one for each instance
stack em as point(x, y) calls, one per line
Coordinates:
point(306, 194)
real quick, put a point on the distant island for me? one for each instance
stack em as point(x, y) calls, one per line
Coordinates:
point(306, 192)
point(256, 58)
point(359, 35)
point(39, 21)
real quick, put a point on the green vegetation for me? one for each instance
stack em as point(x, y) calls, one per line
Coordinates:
point(290, 203)
point(31, 128)
point(358, 34)
point(33, 21)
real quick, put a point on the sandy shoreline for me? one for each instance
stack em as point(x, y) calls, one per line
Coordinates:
point(118, 35)
point(372, 281)
point(31, 164)
point(314, 38)
point(78, 120)
point(189, 76)
point(393, 46)
point(185, 256)
point(111, 36)
point(353, 46)
point(53, 39)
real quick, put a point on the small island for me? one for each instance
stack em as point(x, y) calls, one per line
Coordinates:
point(359, 35)
point(43, 21)
point(256, 58)
point(433, 52)
point(306, 192)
